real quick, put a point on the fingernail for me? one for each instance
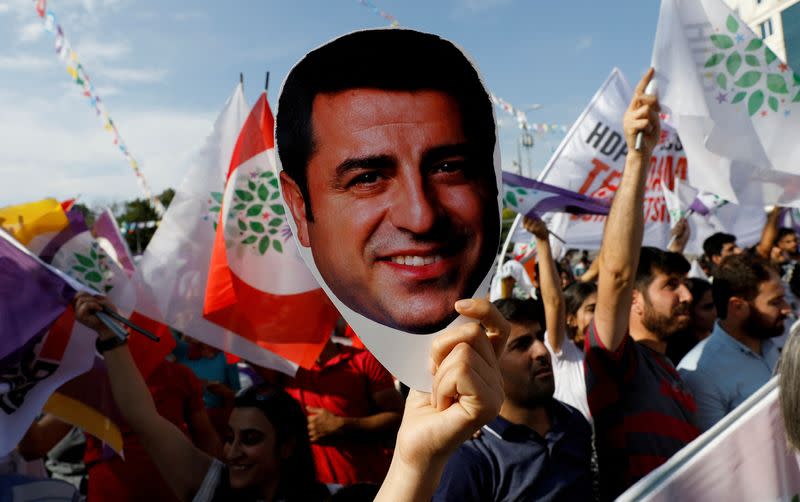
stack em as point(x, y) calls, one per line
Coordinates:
point(465, 304)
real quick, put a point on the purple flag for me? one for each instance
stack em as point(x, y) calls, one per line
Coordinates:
point(534, 198)
point(32, 296)
point(105, 227)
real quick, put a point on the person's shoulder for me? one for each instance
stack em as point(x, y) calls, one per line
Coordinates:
point(707, 355)
point(569, 351)
point(468, 473)
point(474, 452)
point(574, 419)
point(690, 360)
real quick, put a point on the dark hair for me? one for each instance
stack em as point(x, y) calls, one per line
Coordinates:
point(712, 246)
point(783, 232)
point(698, 287)
point(740, 276)
point(577, 293)
point(394, 60)
point(652, 260)
point(521, 311)
point(298, 477)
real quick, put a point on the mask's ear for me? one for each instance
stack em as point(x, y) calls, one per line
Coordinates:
point(297, 205)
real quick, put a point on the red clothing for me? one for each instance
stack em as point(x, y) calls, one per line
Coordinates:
point(344, 385)
point(178, 394)
point(643, 413)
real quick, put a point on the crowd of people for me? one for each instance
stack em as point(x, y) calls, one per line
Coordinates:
point(570, 387)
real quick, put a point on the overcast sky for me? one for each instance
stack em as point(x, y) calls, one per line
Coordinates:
point(164, 69)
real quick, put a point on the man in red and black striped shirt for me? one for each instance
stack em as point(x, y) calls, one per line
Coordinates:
point(642, 412)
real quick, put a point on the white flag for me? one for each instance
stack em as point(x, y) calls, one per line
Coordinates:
point(743, 457)
point(175, 264)
point(733, 102)
point(591, 159)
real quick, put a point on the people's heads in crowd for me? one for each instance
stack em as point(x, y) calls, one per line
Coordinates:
point(704, 311)
point(749, 294)
point(267, 444)
point(786, 240)
point(719, 246)
point(789, 384)
point(661, 298)
point(387, 138)
point(580, 299)
point(565, 273)
point(525, 361)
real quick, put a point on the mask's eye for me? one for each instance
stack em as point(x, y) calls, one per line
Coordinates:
point(365, 179)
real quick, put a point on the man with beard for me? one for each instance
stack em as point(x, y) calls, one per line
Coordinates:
point(538, 448)
point(740, 355)
point(642, 412)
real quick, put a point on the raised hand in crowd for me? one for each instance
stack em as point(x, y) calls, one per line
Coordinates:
point(622, 237)
point(769, 234)
point(549, 284)
point(467, 393)
point(680, 235)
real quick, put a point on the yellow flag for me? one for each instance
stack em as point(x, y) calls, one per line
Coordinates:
point(26, 221)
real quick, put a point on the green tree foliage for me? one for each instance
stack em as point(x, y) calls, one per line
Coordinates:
point(139, 210)
point(87, 213)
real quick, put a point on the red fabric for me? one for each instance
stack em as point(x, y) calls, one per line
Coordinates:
point(268, 320)
point(344, 385)
point(643, 413)
point(57, 339)
point(67, 204)
point(146, 353)
point(349, 333)
point(178, 394)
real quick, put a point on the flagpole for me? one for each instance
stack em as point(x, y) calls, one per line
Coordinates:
point(508, 240)
point(266, 83)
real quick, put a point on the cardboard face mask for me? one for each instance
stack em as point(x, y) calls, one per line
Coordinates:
point(389, 166)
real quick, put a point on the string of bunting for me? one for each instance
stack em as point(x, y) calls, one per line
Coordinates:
point(79, 76)
point(130, 227)
point(522, 118)
point(368, 4)
point(519, 115)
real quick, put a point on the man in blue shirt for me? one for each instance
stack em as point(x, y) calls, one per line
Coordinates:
point(740, 355)
point(538, 448)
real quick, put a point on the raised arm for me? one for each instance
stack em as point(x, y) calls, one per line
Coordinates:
point(549, 284)
point(180, 463)
point(622, 236)
point(769, 233)
point(679, 236)
point(467, 393)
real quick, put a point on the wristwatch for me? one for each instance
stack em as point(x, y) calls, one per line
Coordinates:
point(109, 343)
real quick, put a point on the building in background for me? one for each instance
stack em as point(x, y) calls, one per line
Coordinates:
point(775, 21)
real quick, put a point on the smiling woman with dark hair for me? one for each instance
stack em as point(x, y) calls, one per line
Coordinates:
point(267, 454)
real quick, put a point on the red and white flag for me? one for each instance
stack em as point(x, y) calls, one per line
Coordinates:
point(174, 267)
point(258, 285)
